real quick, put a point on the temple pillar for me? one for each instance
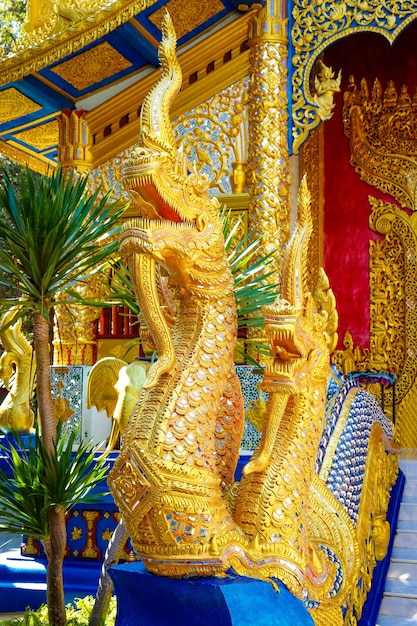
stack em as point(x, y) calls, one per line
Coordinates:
point(268, 154)
point(75, 141)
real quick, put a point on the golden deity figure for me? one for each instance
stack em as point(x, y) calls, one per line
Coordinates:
point(174, 478)
point(326, 85)
point(17, 370)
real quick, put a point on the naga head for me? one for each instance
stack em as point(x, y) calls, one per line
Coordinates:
point(301, 327)
point(161, 182)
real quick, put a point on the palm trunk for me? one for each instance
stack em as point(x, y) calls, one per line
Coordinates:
point(55, 551)
point(43, 381)
point(105, 586)
point(55, 545)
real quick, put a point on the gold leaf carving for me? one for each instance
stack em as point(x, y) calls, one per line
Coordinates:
point(319, 24)
point(14, 104)
point(381, 126)
point(185, 15)
point(92, 66)
point(41, 137)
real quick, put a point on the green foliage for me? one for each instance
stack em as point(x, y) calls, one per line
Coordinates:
point(9, 168)
point(78, 614)
point(40, 479)
point(253, 287)
point(51, 238)
point(251, 274)
point(13, 13)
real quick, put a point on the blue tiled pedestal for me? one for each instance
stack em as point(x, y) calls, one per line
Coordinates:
point(144, 599)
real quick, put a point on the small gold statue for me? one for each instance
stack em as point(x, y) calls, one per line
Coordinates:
point(16, 365)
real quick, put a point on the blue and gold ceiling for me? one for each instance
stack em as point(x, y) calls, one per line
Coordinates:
point(89, 60)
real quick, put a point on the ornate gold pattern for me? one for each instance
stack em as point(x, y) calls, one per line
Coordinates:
point(74, 331)
point(319, 24)
point(381, 127)
point(38, 163)
point(213, 135)
point(91, 67)
point(57, 39)
point(76, 533)
point(14, 104)
point(256, 412)
point(17, 370)
point(62, 409)
point(174, 474)
point(394, 323)
point(91, 551)
point(393, 315)
point(268, 163)
point(311, 166)
point(185, 15)
point(74, 140)
point(41, 137)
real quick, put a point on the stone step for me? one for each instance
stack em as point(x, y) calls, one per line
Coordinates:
point(409, 469)
point(410, 489)
point(401, 569)
point(401, 587)
point(399, 606)
point(407, 525)
point(391, 620)
point(405, 538)
point(407, 511)
point(406, 555)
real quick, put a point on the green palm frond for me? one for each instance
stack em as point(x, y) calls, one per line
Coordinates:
point(53, 233)
point(38, 479)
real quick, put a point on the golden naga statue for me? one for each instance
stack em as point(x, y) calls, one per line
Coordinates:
point(174, 478)
point(16, 364)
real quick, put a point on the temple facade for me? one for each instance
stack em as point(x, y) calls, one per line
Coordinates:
point(271, 91)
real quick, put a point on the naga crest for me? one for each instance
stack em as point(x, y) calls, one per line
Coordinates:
point(301, 326)
point(156, 173)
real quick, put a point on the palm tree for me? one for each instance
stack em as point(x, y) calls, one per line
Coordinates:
point(53, 235)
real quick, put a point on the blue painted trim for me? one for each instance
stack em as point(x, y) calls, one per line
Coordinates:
point(49, 100)
point(372, 604)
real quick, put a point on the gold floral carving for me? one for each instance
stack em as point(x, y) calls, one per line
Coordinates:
point(393, 331)
point(382, 127)
point(41, 137)
point(93, 66)
point(75, 331)
point(14, 104)
point(267, 171)
point(268, 163)
point(187, 16)
point(311, 166)
point(213, 135)
point(59, 37)
point(319, 24)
